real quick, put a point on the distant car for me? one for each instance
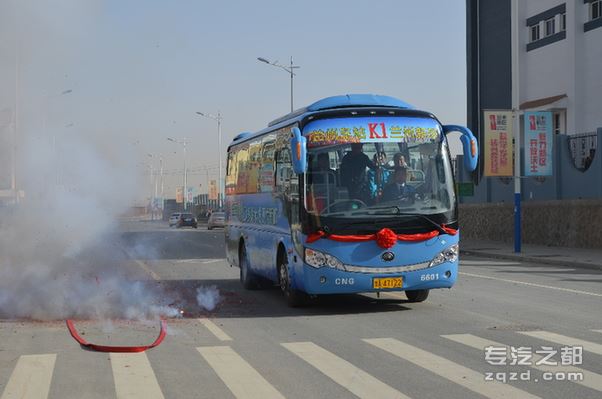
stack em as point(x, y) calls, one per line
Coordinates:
point(217, 219)
point(182, 220)
point(174, 218)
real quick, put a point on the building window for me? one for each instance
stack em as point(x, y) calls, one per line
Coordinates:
point(595, 10)
point(562, 21)
point(534, 33)
point(550, 27)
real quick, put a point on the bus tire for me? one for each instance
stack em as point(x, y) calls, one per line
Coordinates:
point(417, 295)
point(294, 298)
point(247, 278)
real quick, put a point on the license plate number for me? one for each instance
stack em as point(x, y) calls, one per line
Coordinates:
point(387, 282)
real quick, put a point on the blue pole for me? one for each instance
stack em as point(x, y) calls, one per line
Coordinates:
point(517, 225)
point(515, 35)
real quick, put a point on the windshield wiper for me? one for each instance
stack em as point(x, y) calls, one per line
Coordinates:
point(400, 213)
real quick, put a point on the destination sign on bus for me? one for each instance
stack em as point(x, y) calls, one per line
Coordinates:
point(366, 130)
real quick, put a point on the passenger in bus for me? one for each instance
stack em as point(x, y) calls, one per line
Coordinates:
point(397, 188)
point(353, 173)
point(378, 178)
point(398, 161)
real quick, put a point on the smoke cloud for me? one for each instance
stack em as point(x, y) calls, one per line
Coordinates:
point(60, 250)
point(60, 254)
point(208, 297)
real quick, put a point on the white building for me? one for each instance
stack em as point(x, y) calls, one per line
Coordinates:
point(561, 62)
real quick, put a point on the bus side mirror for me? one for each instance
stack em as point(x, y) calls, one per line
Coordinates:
point(299, 151)
point(469, 144)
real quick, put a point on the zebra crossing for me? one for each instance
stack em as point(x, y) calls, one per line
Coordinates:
point(134, 376)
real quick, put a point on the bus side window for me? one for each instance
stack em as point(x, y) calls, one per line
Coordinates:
point(284, 170)
point(286, 179)
point(267, 163)
point(230, 172)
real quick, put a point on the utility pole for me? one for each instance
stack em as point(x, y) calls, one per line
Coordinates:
point(218, 119)
point(292, 74)
point(161, 174)
point(515, 35)
point(182, 142)
point(13, 183)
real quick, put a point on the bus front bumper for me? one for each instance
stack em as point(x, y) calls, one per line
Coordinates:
point(325, 280)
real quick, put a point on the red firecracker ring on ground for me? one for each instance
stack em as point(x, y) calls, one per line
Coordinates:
point(119, 349)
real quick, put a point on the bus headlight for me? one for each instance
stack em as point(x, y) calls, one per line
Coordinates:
point(447, 255)
point(314, 258)
point(318, 259)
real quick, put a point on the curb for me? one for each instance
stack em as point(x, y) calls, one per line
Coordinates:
point(533, 259)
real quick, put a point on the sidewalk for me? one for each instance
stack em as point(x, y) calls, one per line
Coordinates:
point(576, 257)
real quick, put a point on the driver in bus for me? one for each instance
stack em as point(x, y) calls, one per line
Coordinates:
point(353, 173)
point(397, 188)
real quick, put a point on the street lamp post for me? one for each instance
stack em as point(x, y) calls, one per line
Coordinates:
point(288, 69)
point(153, 183)
point(218, 119)
point(13, 182)
point(54, 149)
point(161, 174)
point(182, 142)
point(59, 169)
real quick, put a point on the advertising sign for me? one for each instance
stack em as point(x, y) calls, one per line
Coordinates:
point(189, 194)
point(179, 195)
point(213, 190)
point(538, 144)
point(498, 143)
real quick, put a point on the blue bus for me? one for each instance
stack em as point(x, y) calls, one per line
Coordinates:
point(351, 194)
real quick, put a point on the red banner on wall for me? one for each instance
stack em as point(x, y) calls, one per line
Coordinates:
point(498, 143)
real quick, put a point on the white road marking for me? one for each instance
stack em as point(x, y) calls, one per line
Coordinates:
point(590, 379)
point(134, 376)
point(31, 377)
point(531, 284)
point(147, 269)
point(142, 265)
point(202, 261)
point(564, 340)
point(215, 330)
point(454, 372)
point(487, 263)
point(238, 375)
point(342, 372)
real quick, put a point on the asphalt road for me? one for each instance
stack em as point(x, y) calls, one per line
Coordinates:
point(253, 346)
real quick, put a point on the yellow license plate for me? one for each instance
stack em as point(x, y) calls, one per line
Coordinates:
point(387, 282)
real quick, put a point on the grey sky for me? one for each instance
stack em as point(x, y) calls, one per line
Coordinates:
point(139, 69)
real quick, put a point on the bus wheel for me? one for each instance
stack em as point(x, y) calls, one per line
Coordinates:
point(417, 295)
point(247, 278)
point(294, 298)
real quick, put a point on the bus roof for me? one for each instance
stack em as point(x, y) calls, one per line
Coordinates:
point(328, 103)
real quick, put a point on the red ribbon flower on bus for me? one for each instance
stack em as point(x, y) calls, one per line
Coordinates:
point(385, 238)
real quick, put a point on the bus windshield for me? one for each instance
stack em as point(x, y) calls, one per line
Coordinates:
point(371, 169)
